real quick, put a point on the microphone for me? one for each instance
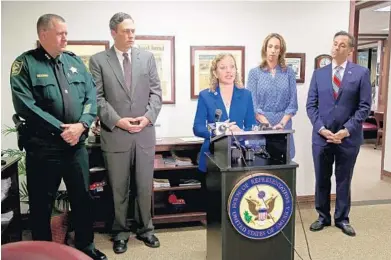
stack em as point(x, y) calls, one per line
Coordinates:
point(221, 127)
point(217, 128)
point(218, 114)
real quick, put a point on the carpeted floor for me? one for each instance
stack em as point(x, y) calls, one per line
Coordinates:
point(370, 216)
point(373, 240)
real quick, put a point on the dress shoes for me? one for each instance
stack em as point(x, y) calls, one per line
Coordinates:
point(151, 240)
point(95, 254)
point(120, 246)
point(318, 225)
point(346, 229)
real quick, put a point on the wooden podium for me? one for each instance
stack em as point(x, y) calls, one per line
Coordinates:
point(251, 204)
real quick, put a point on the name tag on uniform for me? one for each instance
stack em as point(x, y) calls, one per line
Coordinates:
point(87, 109)
point(42, 75)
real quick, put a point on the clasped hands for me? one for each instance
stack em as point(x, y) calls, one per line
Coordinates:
point(133, 125)
point(334, 138)
point(262, 119)
point(72, 132)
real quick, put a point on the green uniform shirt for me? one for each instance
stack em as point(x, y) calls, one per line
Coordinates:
point(37, 96)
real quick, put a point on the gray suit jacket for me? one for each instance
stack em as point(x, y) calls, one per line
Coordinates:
point(115, 101)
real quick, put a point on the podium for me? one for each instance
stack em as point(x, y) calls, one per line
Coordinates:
point(251, 204)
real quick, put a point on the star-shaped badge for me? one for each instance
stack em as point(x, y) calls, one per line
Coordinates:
point(73, 70)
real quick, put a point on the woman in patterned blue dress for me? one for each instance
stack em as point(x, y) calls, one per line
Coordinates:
point(273, 87)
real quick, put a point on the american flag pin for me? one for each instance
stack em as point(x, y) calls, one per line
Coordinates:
point(349, 72)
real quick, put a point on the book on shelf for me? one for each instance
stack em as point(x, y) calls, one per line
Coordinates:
point(161, 183)
point(175, 161)
point(7, 217)
point(189, 182)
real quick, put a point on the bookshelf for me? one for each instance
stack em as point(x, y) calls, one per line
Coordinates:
point(11, 230)
point(162, 211)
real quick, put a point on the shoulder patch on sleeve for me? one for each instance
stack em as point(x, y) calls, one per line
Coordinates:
point(16, 67)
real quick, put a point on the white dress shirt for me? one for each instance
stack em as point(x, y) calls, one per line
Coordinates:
point(121, 57)
point(341, 71)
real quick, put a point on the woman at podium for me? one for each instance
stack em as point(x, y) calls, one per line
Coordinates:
point(226, 100)
point(273, 87)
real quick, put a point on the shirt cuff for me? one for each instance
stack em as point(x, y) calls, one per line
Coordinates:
point(347, 131)
point(321, 129)
point(260, 111)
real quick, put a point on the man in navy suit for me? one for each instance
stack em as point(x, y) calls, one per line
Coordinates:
point(339, 100)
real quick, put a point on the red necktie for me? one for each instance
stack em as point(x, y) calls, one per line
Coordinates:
point(336, 81)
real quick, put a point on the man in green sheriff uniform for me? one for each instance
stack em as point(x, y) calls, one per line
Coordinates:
point(56, 96)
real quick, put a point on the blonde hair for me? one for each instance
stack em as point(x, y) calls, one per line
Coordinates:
point(281, 57)
point(213, 81)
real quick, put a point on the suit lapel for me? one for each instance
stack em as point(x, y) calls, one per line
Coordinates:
point(219, 104)
point(135, 60)
point(346, 76)
point(236, 101)
point(329, 75)
point(114, 63)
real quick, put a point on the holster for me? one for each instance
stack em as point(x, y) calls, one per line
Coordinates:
point(21, 130)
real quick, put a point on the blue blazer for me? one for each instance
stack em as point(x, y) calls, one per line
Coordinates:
point(349, 110)
point(241, 112)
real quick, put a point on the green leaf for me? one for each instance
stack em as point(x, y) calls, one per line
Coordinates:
point(24, 197)
point(8, 130)
point(247, 217)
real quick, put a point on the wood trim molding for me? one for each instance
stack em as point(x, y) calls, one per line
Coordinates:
point(368, 4)
point(311, 198)
point(372, 39)
point(366, 43)
point(385, 77)
point(354, 16)
point(380, 96)
point(383, 35)
point(385, 174)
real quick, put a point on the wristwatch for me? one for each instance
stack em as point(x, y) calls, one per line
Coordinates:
point(85, 125)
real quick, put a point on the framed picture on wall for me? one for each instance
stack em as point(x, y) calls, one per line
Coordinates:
point(297, 62)
point(85, 49)
point(200, 62)
point(322, 60)
point(163, 49)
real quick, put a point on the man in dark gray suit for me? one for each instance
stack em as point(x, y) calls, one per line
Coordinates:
point(129, 100)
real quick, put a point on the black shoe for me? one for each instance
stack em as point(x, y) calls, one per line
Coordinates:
point(95, 254)
point(346, 229)
point(120, 246)
point(151, 240)
point(318, 225)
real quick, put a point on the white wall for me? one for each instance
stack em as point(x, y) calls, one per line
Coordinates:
point(307, 27)
point(387, 145)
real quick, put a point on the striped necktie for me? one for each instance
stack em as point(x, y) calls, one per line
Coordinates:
point(127, 70)
point(337, 81)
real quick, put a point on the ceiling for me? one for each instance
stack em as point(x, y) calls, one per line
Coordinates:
point(374, 22)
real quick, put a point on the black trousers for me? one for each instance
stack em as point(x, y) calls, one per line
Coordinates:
point(46, 165)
